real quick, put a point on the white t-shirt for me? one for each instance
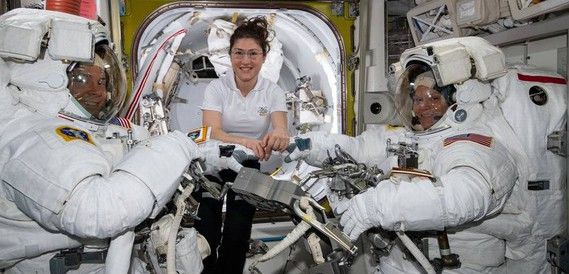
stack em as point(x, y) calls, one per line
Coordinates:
point(248, 116)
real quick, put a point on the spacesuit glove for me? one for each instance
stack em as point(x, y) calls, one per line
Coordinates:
point(317, 188)
point(312, 147)
point(219, 156)
point(338, 204)
point(360, 215)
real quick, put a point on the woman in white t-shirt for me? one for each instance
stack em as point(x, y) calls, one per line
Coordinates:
point(242, 108)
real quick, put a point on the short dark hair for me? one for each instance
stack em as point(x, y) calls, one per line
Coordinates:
point(255, 28)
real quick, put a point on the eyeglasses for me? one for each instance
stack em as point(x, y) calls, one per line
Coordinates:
point(252, 54)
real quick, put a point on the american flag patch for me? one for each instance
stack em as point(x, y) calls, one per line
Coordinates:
point(470, 137)
point(119, 121)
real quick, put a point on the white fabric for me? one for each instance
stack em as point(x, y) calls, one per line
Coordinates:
point(54, 192)
point(473, 184)
point(532, 129)
point(372, 153)
point(22, 32)
point(417, 204)
point(271, 68)
point(85, 197)
point(179, 150)
point(218, 45)
point(215, 162)
point(188, 257)
point(41, 87)
point(473, 91)
point(248, 116)
point(190, 248)
point(317, 188)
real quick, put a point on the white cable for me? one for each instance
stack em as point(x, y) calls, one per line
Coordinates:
point(416, 252)
point(290, 238)
point(153, 257)
point(181, 208)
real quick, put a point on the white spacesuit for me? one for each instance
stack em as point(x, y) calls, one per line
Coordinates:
point(68, 179)
point(474, 159)
point(541, 96)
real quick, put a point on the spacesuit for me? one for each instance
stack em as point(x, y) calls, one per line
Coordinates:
point(69, 180)
point(541, 96)
point(466, 162)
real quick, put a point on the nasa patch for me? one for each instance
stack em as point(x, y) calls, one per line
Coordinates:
point(70, 134)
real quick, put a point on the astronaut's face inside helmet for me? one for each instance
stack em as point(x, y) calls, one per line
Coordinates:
point(88, 85)
point(420, 102)
point(98, 87)
point(429, 105)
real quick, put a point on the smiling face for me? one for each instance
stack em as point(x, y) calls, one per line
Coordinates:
point(429, 106)
point(246, 59)
point(88, 85)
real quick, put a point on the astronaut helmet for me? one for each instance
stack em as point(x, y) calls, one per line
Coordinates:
point(98, 88)
point(62, 64)
point(421, 103)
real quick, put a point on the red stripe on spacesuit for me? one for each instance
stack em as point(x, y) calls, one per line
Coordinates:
point(470, 137)
point(134, 104)
point(541, 79)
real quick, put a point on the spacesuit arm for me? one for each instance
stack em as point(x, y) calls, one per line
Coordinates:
point(76, 190)
point(139, 186)
point(460, 196)
point(369, 147)
point(470, 189)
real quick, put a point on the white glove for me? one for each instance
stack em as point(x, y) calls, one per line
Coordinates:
point(358, 214)
point(312, 147)
point(317, 188)
point(219, 156)
point(338, 204)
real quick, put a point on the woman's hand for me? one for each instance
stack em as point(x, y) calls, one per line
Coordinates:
point(276, 140)
point(256, 147)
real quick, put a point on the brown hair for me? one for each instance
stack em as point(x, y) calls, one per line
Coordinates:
point(255, 28)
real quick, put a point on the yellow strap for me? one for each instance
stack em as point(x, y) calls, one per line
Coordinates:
point(234, 18)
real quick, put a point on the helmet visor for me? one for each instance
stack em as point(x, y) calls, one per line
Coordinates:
point(99, 87)
point(419, 102)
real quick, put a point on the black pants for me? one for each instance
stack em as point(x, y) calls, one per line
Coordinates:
point(236, 227)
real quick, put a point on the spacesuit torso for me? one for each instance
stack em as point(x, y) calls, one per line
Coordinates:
point(515, 239)
point(31, 139)
point(439, 153)
point(541, 96)
point(68, 179)
point(470, 153)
